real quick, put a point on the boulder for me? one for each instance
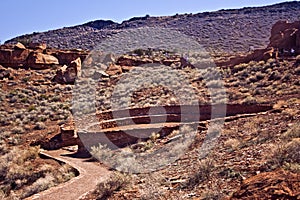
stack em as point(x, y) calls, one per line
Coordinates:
point(65, 75)
point(65, 57)
point(13, 57)
point(19, 45)
point(127, 60)
point(169, 62)
point(278, 184)
point(113, 70)
point(37, 56)
point(4, 73)
point(127, 68)
point(76, 64)
point(41, 61)
point(68, 74)
point(59, 77)
point(37, 46)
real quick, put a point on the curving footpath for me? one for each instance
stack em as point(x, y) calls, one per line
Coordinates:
point(90, 174)
point(137, 122)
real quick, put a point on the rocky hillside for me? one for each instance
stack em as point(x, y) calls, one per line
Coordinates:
point(256, 155)
point(234, 30)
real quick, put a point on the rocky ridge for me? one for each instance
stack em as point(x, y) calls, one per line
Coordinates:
point(234, 30)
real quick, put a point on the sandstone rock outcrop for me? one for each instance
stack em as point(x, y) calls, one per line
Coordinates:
point(113, 70)
point(19, 45)
point(13, 56)
point(127, 60)
point(38, 56)
point(65, 57)
point(68, 74)
point(41, 61)
point(270, 185)
point(66, 137)
point(76, 64)
point(37, 46)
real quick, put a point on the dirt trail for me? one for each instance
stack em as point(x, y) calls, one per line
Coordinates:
point(90, 173)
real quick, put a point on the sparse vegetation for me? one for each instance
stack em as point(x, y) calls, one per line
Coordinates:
point(114, 183)
point(232, 144)
point(292, 133)
point(25, 40)
point(202, 173)
point(287, 156)
point(21, 177)
point(287, 153)
point(33, 110)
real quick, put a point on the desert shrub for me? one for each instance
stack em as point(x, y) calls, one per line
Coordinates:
point(286, 155)
point(17, 130)
point(31, 108)
point(55, 99)
point(12, 162)
point(249, 100)
point(289, 152)
point(139, 52)
point(212, 195)
point(261, 63)
point(214, 84)
point(4, 134)
point(271, 61)
point(17, 172)
point(115, 182)
point(287, 77)
point(252, 79)
point(150, 188)
point(293, 132)
point(204, 169)
point(49, 178)
point(297, 70)
point(25, 40)
point(259, 76)
point(275, 75)
point(40, 126)
point(13, 99)
point(252, 63)
point(232, 144)
point(244, 90)
point(26, 79)
point(240, 67)
point(39, 185)
point(3, 148)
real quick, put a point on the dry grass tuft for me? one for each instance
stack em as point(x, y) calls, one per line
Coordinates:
point(294, 132)
point(232, 144)
point(107, 188)
point(287, 154)
point(204, 169)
